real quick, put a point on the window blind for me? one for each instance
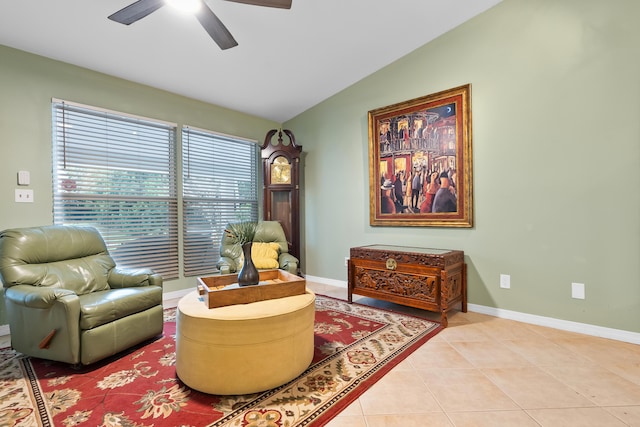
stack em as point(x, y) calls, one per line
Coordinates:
point(117, 173)
point(220, 186)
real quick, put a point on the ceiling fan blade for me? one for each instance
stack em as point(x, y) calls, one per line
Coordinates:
point(215, 28)
point(136, 11)
point(283, 4)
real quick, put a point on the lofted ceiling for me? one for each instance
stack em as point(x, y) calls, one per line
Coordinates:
point(286, 61)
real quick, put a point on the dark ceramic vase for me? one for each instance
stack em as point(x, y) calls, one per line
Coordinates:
point(248, 274)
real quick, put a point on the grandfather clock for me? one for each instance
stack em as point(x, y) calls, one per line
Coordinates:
point(282, 185)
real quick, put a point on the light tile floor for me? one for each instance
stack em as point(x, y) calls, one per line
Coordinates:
point(483, 371)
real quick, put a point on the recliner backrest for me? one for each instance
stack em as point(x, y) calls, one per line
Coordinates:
point(267, 231)
point(272, 231)
point(68, 257)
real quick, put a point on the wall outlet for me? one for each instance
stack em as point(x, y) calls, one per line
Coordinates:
point(505, 281)
point(577, 290)
point(346, 261)
point(24, 196)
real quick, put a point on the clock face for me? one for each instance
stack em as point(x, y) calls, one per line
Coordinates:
point(280, 171)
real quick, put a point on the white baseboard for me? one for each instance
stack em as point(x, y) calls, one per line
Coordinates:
point(169, 299)
point(565, 325)
point(325, 281)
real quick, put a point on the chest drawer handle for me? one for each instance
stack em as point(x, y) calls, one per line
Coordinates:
point(391, 264)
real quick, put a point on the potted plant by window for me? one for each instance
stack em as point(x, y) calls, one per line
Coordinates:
point(242, 234)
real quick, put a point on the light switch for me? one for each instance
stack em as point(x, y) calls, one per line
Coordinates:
point(24, 178)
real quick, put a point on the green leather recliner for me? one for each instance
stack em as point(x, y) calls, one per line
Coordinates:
point(67, 301)
point(267, 231)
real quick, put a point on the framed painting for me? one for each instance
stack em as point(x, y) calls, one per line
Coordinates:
point(420, 161)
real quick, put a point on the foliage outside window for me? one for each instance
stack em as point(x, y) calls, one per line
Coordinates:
point(117, 173)
point(220, 186)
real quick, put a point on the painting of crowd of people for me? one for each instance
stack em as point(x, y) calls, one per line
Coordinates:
point(418, 162)
point(418, 154)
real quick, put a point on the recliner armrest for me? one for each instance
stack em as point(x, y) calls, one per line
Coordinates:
point(226, 265)
point(155, 279)
point(124, 278)
point(288, 262)
point(37, 296)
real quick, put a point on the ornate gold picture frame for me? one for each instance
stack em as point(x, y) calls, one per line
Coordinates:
point(420, 161)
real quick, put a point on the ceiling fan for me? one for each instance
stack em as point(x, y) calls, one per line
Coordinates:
point(209, 21)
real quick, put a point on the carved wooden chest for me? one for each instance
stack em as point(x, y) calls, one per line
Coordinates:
point(429, 279)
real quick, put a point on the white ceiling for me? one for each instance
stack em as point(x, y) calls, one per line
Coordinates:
point(286, 61)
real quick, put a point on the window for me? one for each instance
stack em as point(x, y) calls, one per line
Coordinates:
point(117, 173)
point(220, 186)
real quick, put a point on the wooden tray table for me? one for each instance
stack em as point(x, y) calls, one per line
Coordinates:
point(223, 290)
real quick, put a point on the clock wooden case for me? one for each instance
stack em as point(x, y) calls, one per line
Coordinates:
point(281, 169)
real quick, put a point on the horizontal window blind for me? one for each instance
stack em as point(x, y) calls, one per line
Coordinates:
point(117, 173)
point(220, 186)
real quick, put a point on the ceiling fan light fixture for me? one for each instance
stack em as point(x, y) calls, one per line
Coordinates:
point(198, 8)
point(190, 7)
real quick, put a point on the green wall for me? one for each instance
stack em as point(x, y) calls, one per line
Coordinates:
point(27, 85)
point(556, 152)
point(556, 155)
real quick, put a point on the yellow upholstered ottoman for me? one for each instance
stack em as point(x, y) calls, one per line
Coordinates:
point(244, 348)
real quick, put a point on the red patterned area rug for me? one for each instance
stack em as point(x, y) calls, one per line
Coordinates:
point(355, 346)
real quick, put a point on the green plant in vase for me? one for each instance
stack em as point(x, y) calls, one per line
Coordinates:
point(242, 234)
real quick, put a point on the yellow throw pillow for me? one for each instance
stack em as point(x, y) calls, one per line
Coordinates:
point(265, 255)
